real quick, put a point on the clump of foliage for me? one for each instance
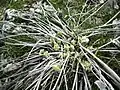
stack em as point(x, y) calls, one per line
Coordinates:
point(64, 53)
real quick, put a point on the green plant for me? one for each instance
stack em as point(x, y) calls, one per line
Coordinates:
point(62, 56)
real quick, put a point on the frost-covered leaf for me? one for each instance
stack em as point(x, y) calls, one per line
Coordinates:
point(11, 67)
point(100, 85)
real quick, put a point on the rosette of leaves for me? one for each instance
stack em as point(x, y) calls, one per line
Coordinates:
point(60, 57)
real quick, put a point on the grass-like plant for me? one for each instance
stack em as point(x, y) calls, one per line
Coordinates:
point(59, 55)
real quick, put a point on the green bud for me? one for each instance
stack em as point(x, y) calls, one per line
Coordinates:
point(73, 42)
point(59, 33)
point(66, 47)
point(56, 67)
point(86, 65)
point(52, 40)
point(90, 48)
point(79, 39)
point(41, 52)
point(58, 41)
point(46, 53)
point(65, 54)
point(84, 39)
point(56, 46)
